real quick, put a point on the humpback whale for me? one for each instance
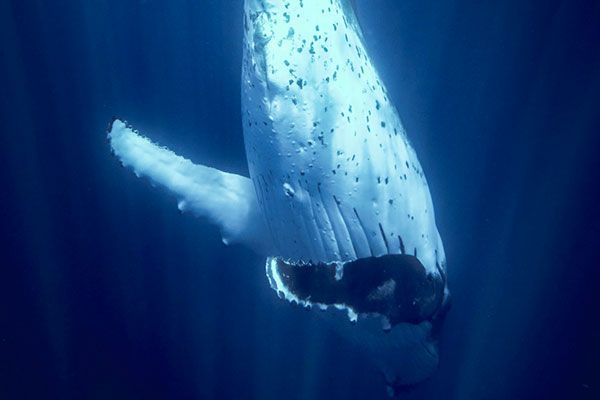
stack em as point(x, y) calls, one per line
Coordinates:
point(336, 199)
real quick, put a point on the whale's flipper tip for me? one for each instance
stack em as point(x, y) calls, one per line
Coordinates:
point(227, 200)
point(111, 123)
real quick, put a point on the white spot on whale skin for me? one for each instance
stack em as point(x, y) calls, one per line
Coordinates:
point(339, 271)
point(288, 190)
point(383, 291)
point(352, 315)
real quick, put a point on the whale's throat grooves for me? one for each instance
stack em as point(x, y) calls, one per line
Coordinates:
point(334, 173)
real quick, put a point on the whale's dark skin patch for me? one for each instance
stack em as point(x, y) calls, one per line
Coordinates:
point(395, 286)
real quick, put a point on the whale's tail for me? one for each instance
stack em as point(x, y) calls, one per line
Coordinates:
point(405, 355)
point(225, 199)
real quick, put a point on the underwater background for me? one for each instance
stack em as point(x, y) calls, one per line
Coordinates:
point(106, 291)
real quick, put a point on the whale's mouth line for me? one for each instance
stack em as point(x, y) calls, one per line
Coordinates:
point(396, 287)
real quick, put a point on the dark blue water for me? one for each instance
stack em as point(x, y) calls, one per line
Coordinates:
point(107, 292)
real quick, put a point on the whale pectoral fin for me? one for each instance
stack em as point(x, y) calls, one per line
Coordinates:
point(225, 199)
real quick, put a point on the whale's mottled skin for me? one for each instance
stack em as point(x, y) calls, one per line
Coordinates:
point(333, 170)
point(335, 187)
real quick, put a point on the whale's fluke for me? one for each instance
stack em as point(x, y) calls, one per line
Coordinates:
point(227, 200)
point(406, 355)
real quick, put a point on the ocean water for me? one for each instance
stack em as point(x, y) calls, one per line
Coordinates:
point(107, 292)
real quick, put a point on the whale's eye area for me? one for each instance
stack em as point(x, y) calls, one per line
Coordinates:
point(394, 286)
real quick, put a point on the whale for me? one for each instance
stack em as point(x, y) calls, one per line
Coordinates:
point(335, 198)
